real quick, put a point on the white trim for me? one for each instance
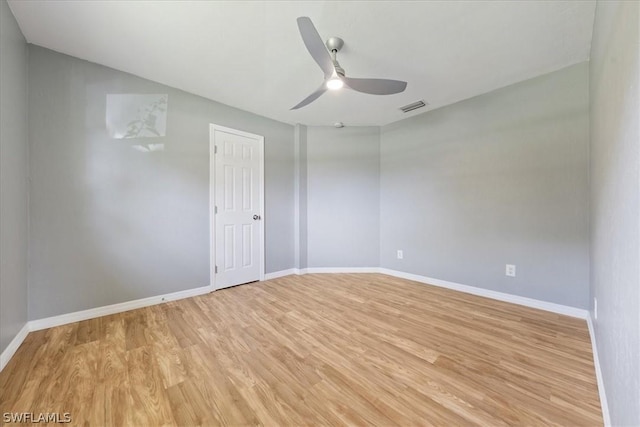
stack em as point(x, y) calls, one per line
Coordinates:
point(596, 362)
point(323, 270)
point(13, 346)
point(320, 270)
point(212, 197)
point(63, 319)
point(281, 273)
point(500, 296)
point(263, 240)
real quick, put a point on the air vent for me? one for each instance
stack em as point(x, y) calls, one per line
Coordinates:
point(413, 106)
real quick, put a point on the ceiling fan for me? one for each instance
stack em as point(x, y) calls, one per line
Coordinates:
point(334, 75)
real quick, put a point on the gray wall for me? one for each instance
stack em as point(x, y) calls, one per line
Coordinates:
point(494, 180)
point(343, 178)
point(300, 197)
point(112, 224)
point(13, 177)
point(615, 204)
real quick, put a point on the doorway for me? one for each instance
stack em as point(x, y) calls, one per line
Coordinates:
point(237, 207)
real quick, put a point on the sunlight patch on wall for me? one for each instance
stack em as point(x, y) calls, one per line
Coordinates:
point(148, 147)
point(137, 115)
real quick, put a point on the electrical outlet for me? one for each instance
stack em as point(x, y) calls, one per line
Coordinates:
point(400, 254)
point(510, 270)
point(595, 308)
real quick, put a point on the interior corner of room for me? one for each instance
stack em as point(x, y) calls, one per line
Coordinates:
point(542, 174)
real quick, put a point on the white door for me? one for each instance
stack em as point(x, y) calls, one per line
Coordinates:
point(237, 241)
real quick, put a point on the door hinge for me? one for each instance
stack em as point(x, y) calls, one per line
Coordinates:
point(215, 149)
point(215, 209)
point(216, 270)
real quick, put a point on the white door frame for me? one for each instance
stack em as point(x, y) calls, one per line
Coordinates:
point(212, 199)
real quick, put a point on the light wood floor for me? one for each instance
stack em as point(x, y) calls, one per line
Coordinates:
point(364, 349)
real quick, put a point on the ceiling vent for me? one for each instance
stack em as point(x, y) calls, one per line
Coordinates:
point(413, 106)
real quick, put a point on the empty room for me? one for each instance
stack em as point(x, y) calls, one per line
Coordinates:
point(300, 213)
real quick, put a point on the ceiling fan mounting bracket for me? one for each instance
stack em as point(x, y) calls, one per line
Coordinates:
point(334, 44)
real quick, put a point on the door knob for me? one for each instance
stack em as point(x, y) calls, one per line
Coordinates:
point(256, 217)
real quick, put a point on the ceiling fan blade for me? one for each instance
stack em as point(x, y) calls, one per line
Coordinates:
point(309, 99)
point(375, 86)
point(315, 45)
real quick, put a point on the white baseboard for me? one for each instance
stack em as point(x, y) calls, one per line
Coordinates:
point(63, 319)
point(320, 270)
point(500, 296)
point(11, 349)
point(281, 273)
point(324, 270)
point(596, 362)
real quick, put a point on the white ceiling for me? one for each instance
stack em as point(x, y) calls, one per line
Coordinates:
point(249, 54)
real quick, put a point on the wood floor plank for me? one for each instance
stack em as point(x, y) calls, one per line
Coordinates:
point(330, 349)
